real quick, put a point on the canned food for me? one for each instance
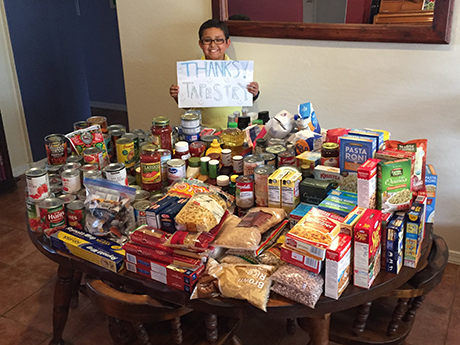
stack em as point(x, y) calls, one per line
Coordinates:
point(52, 215)
point(139, 211)
point(69, 166)
point(56, 148)
point(125, 152)
point(71, 181)
point(55, 189)
point(238, 164)
point(33, 214)
point(276, 150)
point(67, 198)
point(138, 131)
point(116, 127)
point(251, 162)
point(92, 174)
point(244, 191)
point(135, 186)
point(176, 170)
point(141, 195)
point(131, 180)
point(98, 120)
point(80, 125)
point(38, 185)
point(191, 131)
point(75, 159)
point(207, 139)
point(81, 195)
point(93, 155)
point(116, 172)
point(286, 158)
point(276, 141)
point(261, 175)
point(135, 139)
point(165, 157)
point(55, 178)
point(53, 169)
point(154, 197)
point(269, 158)
point(191, 138)
point(89, 167)
point(190, 120)
point(76, 214)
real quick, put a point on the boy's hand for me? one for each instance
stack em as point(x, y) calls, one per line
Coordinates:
point(174, 91)
point(253, 88)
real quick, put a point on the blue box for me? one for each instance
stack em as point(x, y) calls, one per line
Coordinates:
point(370, 134)
point(340, 208)
point(355, 151)
point(431, 182)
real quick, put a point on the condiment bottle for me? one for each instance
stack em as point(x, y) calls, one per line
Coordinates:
point(162, 132)
point(150, 168)
point(215, 151)
point(182, 151)
point(213, 168)
point(227, 167)
point(232, 185)
point(330, 155)
point(223, 182)
point(233, 138)
point(193, 170)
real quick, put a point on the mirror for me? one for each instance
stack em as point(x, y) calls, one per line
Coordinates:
point(436, 31)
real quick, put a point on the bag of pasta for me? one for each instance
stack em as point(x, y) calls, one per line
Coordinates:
point(201, 213)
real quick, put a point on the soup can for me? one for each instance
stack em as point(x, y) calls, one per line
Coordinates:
point(251, 162)
point(176, 170)
point(98, 120)
point(135, 139)
point(55, 179)
point(81, 194)
point(190, 120)
point(286, 158)
point(33, 214)
point(276, 150)
point(52, 215)
point(76, 214)
point(139, 211)
point(80, 125)
point(53, 169)
point(71, 181)
point(55, 189)
point(165, 157)
point(116, 172)
point(125, 152)
point(261, 175)
point(116, 127)
point(244, 191)
point(75, 159)
point(67, 199)
point(38, 185)
point(56, 148)
point(269, 158)
point(92, 174)
point(93, 155)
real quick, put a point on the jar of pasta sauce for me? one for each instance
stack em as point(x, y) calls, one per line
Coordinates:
point(330, 155)
point(162, 133)
point(150, 168)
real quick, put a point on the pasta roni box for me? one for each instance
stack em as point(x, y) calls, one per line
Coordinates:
point(354, 151)
point(370, 134)
point(415, 223)
point(367, 249)
point(94, 249)
point(431, 181)
point(338, 270)
point(393, 185)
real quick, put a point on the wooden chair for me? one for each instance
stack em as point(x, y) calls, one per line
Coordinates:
point(129, 314)
point(379, 322)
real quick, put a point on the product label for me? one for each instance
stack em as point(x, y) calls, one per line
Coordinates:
point(38, 187)
point(126, 154)
point(75, 219)
point(71, 184)
point(151, 172)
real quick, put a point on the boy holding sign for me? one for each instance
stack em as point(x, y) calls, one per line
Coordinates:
point(214, 41)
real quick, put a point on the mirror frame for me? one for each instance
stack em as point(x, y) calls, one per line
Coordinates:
point(436, 33)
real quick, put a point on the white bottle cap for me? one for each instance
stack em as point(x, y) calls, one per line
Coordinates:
point(223, 180)
point(181, 146)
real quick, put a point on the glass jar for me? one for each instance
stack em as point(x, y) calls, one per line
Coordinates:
point(162, 133)
point(330, 155)
point(182, 151)
point(150, 168)
point(197, 149)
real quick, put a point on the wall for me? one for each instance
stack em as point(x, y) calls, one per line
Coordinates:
point(411, 90)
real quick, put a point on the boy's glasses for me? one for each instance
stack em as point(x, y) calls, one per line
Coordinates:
point(208, 41)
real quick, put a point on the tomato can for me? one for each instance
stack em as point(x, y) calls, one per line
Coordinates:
point(81, 195)
point(261, 175)
point(176, 170)
point(116, 127)
point(98, 120)
point(286, 158)
point(135, 139)
point(67, 198)
point(71, 181)
point(93, 155)
point(69, 166)
point(52, 215)
point(141, 195)
point(56, 148)
point(269, 158)
point(55, 179)
point(92, 174)
point(53, 169)
point(76, 214)
point(139, 211)
point(75, 159)
point(244, 191)
point(125, 152)
point(116, 172)
point(38, 185)
point(33, 214)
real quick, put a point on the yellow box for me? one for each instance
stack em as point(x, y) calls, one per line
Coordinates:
point(290, 195)
point(274, 188)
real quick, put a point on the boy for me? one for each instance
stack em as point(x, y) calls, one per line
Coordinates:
point(214, 41)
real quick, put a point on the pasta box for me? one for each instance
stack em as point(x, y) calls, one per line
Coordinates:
point(301, 260)
point(415, 222)
point(370, 134)
point(431, 182)
point(338, 270)
point(349, 222)
point(367, 248)
point(354, 151)
point(153, 212)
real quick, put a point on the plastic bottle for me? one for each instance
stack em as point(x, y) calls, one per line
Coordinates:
point(233, 139)
point(214, 151)
point(213, 169)
point(232, 185)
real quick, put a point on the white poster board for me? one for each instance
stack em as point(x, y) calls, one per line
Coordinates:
point(214, 83)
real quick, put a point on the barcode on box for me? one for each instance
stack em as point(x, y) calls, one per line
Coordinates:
point(131, 267)
point(131, 258)
point(311, 262)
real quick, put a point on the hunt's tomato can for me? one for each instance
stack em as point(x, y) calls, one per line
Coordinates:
point(56, 148)
point(52, 215)
point(76, 214)
point(38, 184)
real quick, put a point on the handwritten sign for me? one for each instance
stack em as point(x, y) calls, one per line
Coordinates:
point(214, 83)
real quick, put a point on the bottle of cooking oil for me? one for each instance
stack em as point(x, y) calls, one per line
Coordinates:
point(233, 138)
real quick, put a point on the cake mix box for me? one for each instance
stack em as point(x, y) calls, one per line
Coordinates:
point(431, 182)
point(367, 184)
point(394, 243)
point(367, 248)
point(338, 268)
point(300, 259)
point(415, 223)
point(349, 222)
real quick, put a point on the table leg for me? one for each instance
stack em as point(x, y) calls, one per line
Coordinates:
point(62, 295)
point(211, 327)
point(75, 290)
point(317, 328)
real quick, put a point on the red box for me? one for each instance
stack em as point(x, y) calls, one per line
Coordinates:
point(300, 260)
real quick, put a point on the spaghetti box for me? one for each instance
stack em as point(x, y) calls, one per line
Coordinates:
point(370, 134)
point(314, 191)
point(354, 151)
point(338, 270)
point(367, 183)
point(415, 222)
point(99, 251)
point(153, 212)
point(304, 261)
point(298, 213)
point(168, 214)
point(431, 182)
point(367, 248)
point(394, 241)
point(349, 222)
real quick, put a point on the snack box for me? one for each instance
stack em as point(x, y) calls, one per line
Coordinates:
point(386, 134)
point(349, 222)
point(183, 279)
point(309, 158)
point(367, 249)
point(314, 191)
point(393, 185)
point(274, 188)
point(367, 183)
point(370, 134)
point(290, 196)
point(415, 221)
point(394, 241)
point(323, 172)
point(314, 232)
point(298, 213)
point(338, 268)
point(94, 249)
point(153, 212)
point(300, 260)
point(354, 151)
point(431, 181)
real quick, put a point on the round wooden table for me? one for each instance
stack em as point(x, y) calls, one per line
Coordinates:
point(314, 321)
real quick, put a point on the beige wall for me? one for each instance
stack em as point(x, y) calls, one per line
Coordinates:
point(411, 90)
point(11, 104)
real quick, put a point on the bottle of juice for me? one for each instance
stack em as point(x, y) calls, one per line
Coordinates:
point(233, 138)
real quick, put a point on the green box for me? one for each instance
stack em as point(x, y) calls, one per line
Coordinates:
point(393, 185)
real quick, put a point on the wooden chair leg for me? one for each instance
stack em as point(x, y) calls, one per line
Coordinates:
point(211, 327)
point(121, 332)
point(412, 310)
point(141, 333)
point(398, 313)
point(361, 318)
point(176, 330)
point(290, 326)
point(235, 341)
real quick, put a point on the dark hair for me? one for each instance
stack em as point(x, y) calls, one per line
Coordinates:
point(214, 23)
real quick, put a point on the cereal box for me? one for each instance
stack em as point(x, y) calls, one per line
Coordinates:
point(338, 268)
point(298, 213)
point(367, 248)
point(274, 188)
point(290, 196)
point(349, 222)
point(323, 172)
point(367, 183)
point(394, 241)
point(431, 181)
point(300, 260)
point(314, 191)
point(393, 185)
point(415, 222)
point(370, 134)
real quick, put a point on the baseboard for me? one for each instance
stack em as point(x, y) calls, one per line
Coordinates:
point(110, 106)
point(454, 257)
point(18, 171)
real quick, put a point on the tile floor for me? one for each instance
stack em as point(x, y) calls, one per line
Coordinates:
point(27, 282)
